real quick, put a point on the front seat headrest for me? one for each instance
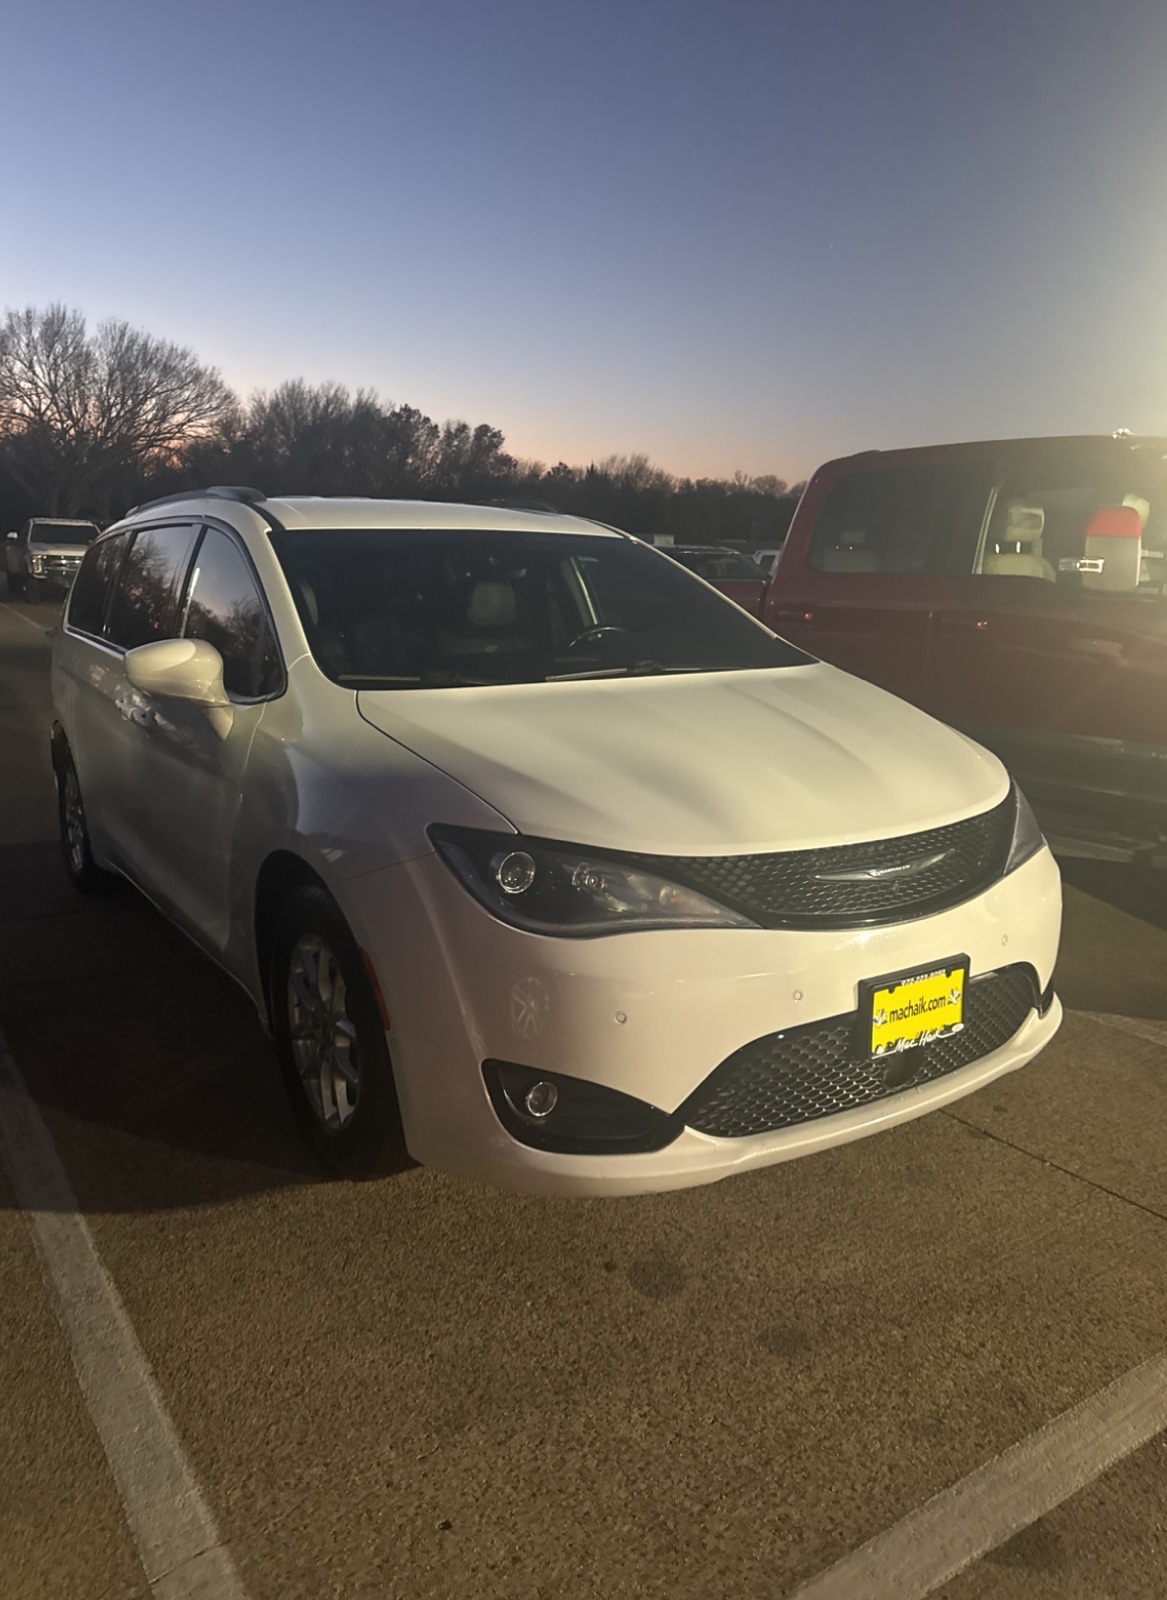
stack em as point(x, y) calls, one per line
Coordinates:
point(492, 605)
point(1023, 525)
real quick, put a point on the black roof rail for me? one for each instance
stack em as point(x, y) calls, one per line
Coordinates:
point(217, 491)
point(521, 503)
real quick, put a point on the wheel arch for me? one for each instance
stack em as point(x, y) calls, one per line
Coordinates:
point(282, 873)
point(58, 747)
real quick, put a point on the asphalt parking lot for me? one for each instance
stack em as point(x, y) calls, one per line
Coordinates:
point(420, 1387)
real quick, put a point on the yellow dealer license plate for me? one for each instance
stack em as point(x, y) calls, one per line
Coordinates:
point(913, 1008)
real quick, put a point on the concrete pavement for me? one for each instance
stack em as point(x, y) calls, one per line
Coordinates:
point(420, 1387)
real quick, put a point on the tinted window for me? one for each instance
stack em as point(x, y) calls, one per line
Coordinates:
point(223, 607)
point(444, 607)
point(909, 520)
point(145, 602)
point(92, 584)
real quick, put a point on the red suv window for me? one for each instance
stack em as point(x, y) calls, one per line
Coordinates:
point(1055, 521)
point(919, 519)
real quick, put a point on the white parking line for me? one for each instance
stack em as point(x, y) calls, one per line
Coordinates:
point(181, 1551)
point(1004, 1496)
point(44, 632)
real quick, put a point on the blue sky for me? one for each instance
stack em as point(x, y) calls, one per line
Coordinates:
point(732, 235)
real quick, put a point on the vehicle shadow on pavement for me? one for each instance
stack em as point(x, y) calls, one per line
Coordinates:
point(161, 1089)
point(148, 1063)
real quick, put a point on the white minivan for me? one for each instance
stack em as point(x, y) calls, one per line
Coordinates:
point(539, 858)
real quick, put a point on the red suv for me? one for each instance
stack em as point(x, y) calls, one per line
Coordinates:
point(1017, 589)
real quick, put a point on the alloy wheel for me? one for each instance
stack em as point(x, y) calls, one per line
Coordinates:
point(322, 1034)
point(74, 820)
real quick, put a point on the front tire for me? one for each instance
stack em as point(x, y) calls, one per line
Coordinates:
point(330, 1038)
point(80, 868)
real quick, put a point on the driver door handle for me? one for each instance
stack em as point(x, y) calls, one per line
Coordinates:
point(133, 711)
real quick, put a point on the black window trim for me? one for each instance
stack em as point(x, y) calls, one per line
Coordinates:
point(70, 627)
point(133, 530)
point(200, 524)
point(204, 523)
point(1000, 477)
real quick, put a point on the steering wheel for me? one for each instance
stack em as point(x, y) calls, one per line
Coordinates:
point(600, 630)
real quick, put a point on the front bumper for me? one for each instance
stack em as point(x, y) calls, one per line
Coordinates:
point(54, 572)
point(652, 1014)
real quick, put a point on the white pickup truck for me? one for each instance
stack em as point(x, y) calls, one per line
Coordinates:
point(45, 555)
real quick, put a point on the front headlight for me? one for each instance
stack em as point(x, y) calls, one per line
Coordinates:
point(1027, 836)
point(564, 889)
point(37, 563)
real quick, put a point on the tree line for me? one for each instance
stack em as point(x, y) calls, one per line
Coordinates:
point(92, 422)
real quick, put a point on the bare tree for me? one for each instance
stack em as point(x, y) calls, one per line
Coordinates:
point(634, 473)
point(81, 413)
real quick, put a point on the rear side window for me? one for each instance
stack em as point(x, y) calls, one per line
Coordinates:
point(91, 587)
point(145, 602)
point(922, 520)
point(223, 607)
point(1046, 512)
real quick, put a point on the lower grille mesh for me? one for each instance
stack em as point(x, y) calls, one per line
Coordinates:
point(814, 1071)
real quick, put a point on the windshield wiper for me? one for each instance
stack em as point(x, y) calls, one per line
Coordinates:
point(634, 669)
point(432, 678)
point(373, 680)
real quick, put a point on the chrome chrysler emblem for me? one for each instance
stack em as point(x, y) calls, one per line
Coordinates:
point(903, 869)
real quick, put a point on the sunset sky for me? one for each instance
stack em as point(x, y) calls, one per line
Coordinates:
point(731, 234)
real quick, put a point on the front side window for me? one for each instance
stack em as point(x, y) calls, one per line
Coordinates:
point(224, 608)
point(446, 607)
point(92, 585)
point(145, 602)
point(922, 521)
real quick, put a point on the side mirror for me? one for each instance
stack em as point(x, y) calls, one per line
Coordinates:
point(184, 669)
point(13, 536)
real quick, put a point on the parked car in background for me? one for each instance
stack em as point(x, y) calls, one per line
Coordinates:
point(531, 848)
point(45, 555)
point(730, 571)
point(1018, 590)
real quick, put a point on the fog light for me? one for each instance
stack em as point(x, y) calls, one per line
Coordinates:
point(541, 1099)
point(514, 872)
point(589, 1118)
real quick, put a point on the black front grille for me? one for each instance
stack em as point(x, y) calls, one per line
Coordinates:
point(816, 1070)
point(802, 888)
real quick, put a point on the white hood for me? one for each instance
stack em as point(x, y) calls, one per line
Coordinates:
point(712, 764)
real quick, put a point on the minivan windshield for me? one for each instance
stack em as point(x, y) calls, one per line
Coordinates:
point(449, 607)
point(62, 532)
